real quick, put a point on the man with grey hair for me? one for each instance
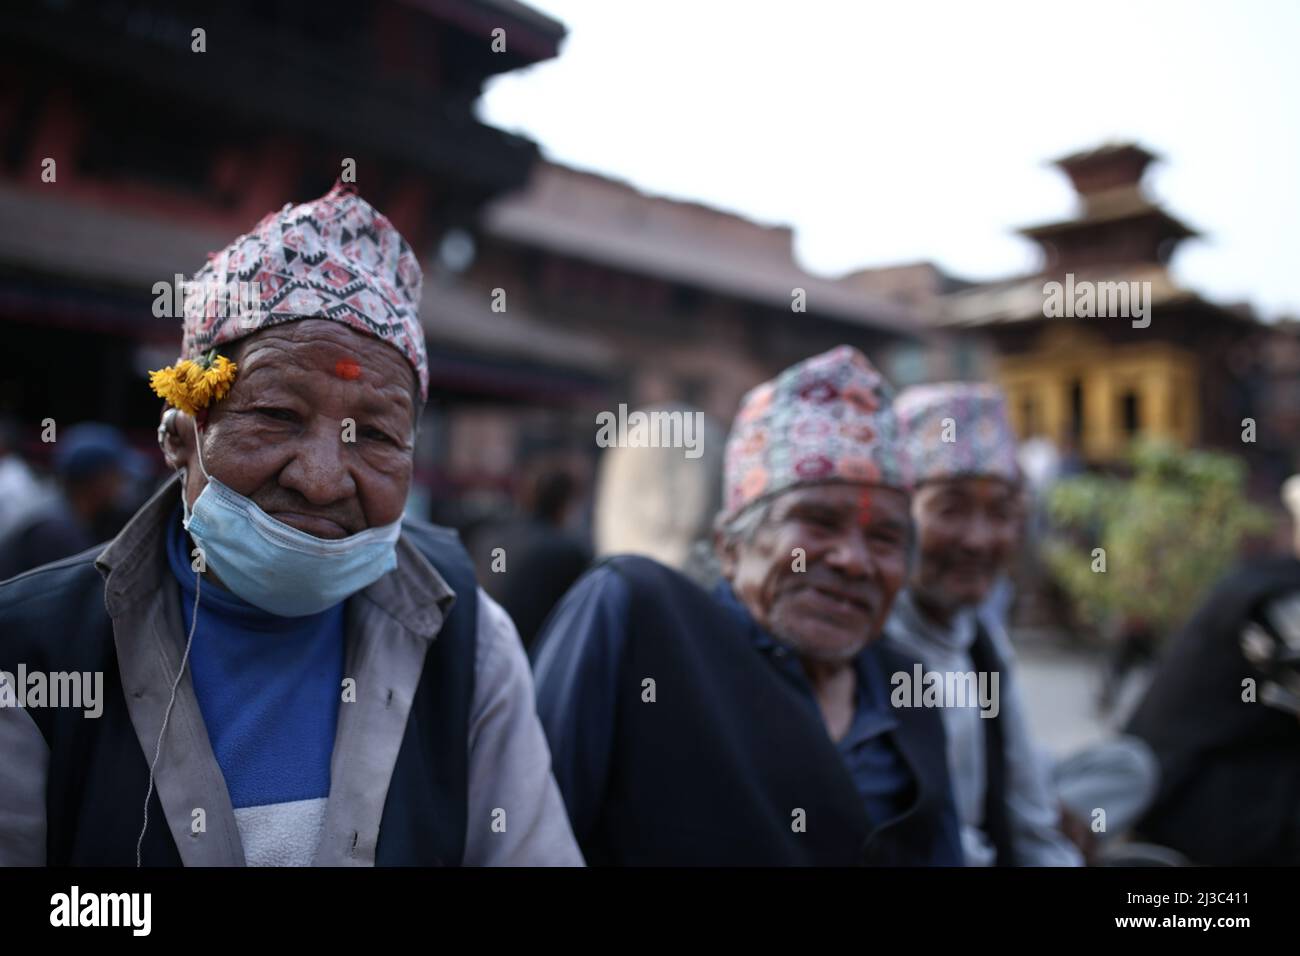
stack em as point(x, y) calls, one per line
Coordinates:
point(750, 724)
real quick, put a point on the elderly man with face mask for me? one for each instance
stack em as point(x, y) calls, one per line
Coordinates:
point(967, 512)
point(751, 725)
point(292, 673)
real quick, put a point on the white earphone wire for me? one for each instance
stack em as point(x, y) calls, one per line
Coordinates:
point(189, 641)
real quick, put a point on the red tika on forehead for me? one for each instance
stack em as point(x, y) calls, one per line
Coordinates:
point(865, 500)
point(347, 369)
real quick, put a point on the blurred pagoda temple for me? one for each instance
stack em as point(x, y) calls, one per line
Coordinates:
point(1187, 371)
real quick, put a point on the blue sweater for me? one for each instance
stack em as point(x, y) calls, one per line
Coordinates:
point(269, 689)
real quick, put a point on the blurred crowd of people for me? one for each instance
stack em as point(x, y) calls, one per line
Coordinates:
point(96, 482)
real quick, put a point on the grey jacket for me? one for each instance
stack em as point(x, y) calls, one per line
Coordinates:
point(1031, 801)
point(388, 627)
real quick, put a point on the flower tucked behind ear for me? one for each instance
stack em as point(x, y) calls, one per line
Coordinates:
point(194, 384)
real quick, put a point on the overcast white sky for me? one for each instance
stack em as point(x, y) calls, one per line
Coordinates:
point(892, 132)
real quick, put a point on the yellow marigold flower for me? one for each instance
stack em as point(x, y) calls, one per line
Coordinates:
point(169, 384)
point(220, 376)
point(192, 384)
point(197, 387)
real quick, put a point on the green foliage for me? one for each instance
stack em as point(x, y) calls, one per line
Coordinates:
point(1168, 533)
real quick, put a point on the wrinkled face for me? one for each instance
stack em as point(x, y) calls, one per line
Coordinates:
point(967, 530)
point(278, 437)
point(854, 541)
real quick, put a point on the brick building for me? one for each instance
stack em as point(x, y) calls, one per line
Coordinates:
point(137, 137)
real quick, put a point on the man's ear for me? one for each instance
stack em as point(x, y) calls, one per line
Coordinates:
point(176, 438)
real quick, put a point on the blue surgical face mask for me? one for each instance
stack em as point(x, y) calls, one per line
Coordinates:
point(276, 567)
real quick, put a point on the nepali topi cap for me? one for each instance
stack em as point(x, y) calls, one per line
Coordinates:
point(956, 430)
point(335, 258)
point(828, 418)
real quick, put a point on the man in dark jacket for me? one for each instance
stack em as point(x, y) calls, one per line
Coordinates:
point(752, 725)
point(1223, 718)
point(268, 665)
